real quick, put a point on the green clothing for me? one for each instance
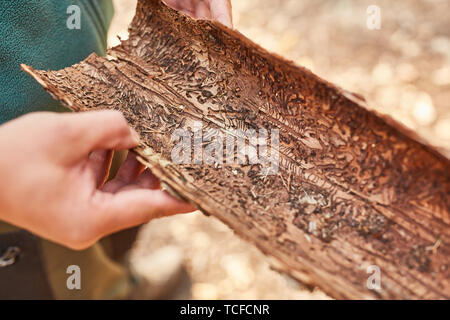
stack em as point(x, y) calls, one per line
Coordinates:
point(40, 271)
point(35, 32)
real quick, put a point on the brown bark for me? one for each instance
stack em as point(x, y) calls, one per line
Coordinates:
point(353, 189)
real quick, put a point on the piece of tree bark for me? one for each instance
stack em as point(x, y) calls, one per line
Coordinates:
point(354, 189)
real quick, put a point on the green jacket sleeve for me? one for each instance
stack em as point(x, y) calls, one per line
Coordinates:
point(35, 32)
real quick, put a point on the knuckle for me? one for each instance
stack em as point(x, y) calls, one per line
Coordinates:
point(77, 243)
point(78, 246)
point(80, 238)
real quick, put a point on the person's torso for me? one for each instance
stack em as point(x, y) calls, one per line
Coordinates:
point(45, 34)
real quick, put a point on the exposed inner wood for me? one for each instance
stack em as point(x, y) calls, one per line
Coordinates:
point(353, 189)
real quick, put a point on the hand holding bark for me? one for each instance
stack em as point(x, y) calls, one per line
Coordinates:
point(53, 172)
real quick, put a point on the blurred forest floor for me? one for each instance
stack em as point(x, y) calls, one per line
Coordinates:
point(403, 70)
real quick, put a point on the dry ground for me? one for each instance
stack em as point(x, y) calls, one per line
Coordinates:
point(403, 69)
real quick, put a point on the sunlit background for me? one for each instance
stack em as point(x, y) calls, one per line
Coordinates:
point(402, 69)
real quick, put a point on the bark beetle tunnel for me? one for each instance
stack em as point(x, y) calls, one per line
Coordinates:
point(354, 188)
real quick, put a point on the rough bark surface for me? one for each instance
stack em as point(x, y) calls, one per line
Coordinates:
point(353, 188)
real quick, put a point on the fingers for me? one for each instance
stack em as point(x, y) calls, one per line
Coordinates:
point(98, 130)
point(185, 6)
point(148, 180)
point(221, 11)
point(100, 163)
point(127, 174)
point(127, 209)
point(130, 169)
point(201, 10)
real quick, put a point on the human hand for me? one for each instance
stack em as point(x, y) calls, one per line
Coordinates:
point(219, 10)
point(52, 173)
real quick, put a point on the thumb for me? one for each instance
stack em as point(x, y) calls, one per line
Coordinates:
point(99, 130)
point(131, 208)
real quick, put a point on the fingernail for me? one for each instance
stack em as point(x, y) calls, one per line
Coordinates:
point(135, 136)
